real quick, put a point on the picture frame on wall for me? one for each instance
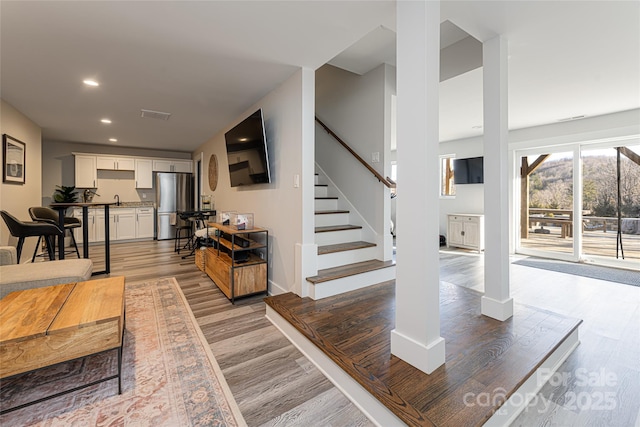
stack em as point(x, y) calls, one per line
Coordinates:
point(14, 159)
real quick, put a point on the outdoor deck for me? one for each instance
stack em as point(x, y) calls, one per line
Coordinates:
point(594, 242)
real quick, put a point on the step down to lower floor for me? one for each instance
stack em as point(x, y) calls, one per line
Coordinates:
point(334, 273)
point(328, 228)
point(341, 247)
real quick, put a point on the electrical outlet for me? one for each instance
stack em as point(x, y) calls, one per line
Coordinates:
point(144, 195)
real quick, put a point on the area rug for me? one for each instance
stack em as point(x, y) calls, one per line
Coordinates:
point(170, 377)
point(617, 275)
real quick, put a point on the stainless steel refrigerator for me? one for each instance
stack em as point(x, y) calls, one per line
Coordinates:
point(174, 192)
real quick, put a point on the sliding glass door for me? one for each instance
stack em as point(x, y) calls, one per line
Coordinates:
point(580, 203)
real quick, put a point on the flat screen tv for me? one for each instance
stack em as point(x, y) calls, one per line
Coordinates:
point(468, 171)
point(247, 152)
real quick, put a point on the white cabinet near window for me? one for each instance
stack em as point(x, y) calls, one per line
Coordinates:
point(170, 165)
point(466, 231)
point(144, 173)
point(115, 163)
point(86, 172)
point(144, 226)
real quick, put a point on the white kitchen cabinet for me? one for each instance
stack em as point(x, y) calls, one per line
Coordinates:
point(169, 165)
point(91, 225)
point(144, 226)
point(86, 172)
point(122, 224)
point(466, 231)
point(115, 163)
point(144, 173)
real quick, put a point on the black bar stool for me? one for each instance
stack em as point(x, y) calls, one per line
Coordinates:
point(48, 215)
point(22, 230)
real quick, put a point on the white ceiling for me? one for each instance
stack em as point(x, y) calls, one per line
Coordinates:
point(207, 62)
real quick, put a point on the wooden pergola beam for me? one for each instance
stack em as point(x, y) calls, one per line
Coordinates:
point(525, 171)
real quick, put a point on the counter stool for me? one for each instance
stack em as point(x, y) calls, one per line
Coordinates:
point(48, 215)
point(22, 230)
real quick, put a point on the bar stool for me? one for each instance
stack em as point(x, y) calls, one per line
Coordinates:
point(184, 225)
point(48, 215)
point(22, 230)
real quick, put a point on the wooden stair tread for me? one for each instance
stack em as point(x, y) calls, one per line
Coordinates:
point(341, 247)
point(349, 270)
point(328, 212)
point(321, 185)
point(326, 198)
point(328, 228)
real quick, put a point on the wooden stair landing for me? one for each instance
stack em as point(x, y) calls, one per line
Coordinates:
point(341, 271)
point(341, 247)
point(483, 355)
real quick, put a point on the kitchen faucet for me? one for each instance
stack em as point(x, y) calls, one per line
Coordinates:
point(118, 199)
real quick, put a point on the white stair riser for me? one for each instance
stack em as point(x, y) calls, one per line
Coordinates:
point(346, 284)
point(335, 237)
point(316, 179)
point(336, 259)
point(332, 219)
point(326, 204)
point(321, 191)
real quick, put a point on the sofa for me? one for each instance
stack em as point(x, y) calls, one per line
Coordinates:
point(17, 277)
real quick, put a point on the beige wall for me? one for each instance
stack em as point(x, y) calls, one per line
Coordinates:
point(16, 199)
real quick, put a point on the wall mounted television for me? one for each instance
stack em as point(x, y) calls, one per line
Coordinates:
point(468, 171)
point(247, 152)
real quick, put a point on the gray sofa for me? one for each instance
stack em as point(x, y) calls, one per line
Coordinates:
point(17, 277)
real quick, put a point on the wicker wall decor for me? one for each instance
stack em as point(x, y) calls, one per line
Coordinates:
point(213, 172)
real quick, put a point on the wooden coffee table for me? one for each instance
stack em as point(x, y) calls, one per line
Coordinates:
point(45, 326)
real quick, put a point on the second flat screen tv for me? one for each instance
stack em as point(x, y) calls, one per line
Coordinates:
point(468, 171)
point(247, 152)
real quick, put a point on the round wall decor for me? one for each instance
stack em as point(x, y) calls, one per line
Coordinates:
point(213, 172)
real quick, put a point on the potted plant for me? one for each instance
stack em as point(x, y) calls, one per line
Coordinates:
point(64, 194)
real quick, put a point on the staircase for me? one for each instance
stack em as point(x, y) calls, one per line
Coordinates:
point(346, 260)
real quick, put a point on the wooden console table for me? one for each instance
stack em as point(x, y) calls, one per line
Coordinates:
point(45, 326)
point(238, 262)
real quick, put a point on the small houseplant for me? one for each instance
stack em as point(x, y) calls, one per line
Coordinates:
point(64, 194)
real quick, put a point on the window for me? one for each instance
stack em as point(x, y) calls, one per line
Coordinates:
point(447, 187)
point(394, 177)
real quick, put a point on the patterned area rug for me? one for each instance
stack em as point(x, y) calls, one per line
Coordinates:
point(170, 377)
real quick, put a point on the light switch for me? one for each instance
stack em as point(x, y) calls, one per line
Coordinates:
point(375, 157)
point(296, 181)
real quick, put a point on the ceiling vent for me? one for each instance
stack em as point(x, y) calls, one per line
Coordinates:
point(150, 114)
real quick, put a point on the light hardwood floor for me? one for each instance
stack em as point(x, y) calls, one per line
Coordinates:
point(275, 385)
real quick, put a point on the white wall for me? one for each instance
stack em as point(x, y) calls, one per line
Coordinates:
point(276, 206)
point(469, 198)
point(353, 106)
point(17, 199)
point(58, 168)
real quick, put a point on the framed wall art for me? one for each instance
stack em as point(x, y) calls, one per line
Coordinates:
point(14, 159)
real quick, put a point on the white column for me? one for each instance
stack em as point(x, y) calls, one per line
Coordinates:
point(416, 338)
point(306, 252)
point(496, 302)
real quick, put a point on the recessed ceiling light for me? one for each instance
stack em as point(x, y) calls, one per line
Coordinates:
point(90, 82)
point(113, 140)
point(107, 121)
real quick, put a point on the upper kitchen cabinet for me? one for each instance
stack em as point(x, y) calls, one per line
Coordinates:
point(172, 165)
point(86, 172)
point(115, 163)
point(144, 173)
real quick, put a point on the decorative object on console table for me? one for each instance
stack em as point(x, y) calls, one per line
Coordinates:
point(224, 218)
point(238, 263)
point(13, 166)
point(242, 221)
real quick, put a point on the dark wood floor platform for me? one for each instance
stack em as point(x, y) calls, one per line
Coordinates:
point(483, 355)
